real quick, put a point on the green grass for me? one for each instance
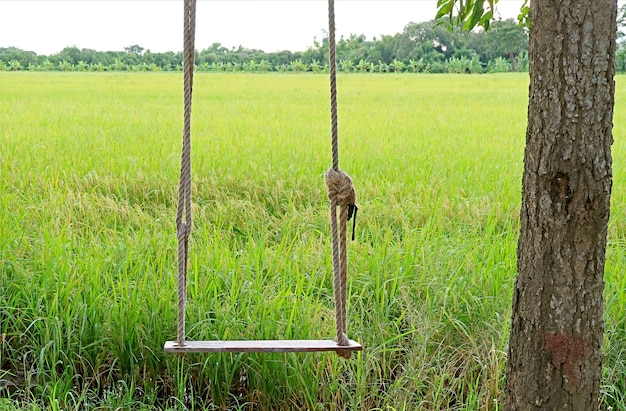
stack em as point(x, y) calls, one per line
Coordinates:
point(89, 172)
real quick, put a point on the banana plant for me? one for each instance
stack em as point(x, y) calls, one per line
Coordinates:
point(475, 65)
point(15, 65)
point(97, 66)
point(250, 66)
point(346, 65)
point(264, 66)
point(362, 66)
point(81, 66)
point(499, 65)
point(315, 66)
point(47, 65)
point(297, 65)
point(118, 65)
point(397, 65)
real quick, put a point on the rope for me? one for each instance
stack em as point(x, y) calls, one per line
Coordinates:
point(332, 68)
point(341, 194)
point(183, 227)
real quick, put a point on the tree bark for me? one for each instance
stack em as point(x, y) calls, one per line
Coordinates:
point(555, 360)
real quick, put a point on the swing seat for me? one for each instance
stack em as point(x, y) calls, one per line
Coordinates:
point(261, 346)
point(341, 195)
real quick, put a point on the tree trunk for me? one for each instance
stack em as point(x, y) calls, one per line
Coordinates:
point(555, 360)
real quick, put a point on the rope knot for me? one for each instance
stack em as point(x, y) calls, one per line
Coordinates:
point(340, 189)
point(183, 230)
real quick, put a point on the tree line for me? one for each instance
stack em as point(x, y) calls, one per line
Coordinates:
point(425, 47)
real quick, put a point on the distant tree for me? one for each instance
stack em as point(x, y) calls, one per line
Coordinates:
point(423, 40)
point(100, 57)
point(318, 52)
point(69, 54)
point(168, 59)
point(24, 57)
point(216, 48)
point(506, 38)
point(130, 59)
point(384, 49)
point(134, 49)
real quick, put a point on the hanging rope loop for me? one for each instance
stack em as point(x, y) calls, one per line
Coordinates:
point(183, 226)
point(341, 194)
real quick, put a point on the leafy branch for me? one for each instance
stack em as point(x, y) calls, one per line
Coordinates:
point(468, 14)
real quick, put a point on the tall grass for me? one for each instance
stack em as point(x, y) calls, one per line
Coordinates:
point(89, 166)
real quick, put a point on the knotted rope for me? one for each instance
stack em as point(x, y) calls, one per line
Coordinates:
point(341, 194)
point(183, 227)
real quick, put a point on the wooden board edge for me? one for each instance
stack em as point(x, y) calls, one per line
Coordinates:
point(260, 346)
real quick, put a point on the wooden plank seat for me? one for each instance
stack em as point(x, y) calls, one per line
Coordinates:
point(260, 346)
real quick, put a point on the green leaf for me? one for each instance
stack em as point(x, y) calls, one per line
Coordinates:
point(463, 10)
point(523, 19)
point(486, 19)
point(445, 9)
point(476, 15)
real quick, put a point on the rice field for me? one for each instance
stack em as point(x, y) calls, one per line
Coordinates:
point(89, 167)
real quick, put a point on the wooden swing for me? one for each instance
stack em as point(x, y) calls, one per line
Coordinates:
point(340, 193)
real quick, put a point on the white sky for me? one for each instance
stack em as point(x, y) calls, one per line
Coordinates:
point(47, 26)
